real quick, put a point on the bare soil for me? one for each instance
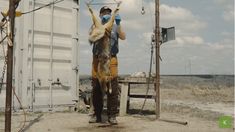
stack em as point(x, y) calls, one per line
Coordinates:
point(198, 101)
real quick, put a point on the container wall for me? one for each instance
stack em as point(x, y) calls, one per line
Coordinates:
point(46, 60)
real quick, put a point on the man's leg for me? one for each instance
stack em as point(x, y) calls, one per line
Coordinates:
point(112, 101)
point(97, 97)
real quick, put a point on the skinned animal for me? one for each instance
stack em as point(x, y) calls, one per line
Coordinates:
point(100, 35)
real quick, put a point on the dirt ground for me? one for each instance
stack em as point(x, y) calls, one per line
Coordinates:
point(77, 122)
point(200, 105)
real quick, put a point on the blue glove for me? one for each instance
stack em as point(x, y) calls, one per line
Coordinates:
point(106, 18)
point(118, 19)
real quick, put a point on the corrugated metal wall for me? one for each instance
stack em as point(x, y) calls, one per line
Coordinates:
point(46, 54)
point(3, 6)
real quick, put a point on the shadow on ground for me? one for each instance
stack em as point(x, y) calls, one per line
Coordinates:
point(101, 127)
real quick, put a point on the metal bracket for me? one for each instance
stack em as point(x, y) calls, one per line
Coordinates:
point(75, 68)
point(75, 38)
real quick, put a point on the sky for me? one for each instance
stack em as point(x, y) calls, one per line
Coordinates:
point(204, 41)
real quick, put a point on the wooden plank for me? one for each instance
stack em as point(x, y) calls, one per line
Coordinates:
point(137, 80)
point(123, 99)
point(141, 96)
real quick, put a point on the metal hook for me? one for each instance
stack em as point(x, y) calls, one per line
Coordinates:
point(142, 11)
point(90, 1)
point(118, 3)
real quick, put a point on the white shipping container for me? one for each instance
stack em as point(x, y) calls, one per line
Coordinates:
point(46, 70)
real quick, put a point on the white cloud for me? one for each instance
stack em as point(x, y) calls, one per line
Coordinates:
point(130, 24)
point(146, 37)
point(189, 40)
point(228, 13)
point(129, 7)
point(189, 43)
point(181, 18)
point(223, 45)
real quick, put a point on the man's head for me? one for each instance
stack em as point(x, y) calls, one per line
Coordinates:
point(105, 10)
point(105, 14)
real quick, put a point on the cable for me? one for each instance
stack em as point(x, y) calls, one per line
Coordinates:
point(5, 62)
point(3, 39)
point(21, 106)
point(150, 71)
point(52, 3)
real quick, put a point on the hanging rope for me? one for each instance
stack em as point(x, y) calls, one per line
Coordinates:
point(91, 2)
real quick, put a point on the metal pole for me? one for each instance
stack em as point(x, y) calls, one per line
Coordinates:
point(157, 53)
point(9, 66)
point(32, 59)
point(51, 55)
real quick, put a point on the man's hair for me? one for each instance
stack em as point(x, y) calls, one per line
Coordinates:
point(105, 8)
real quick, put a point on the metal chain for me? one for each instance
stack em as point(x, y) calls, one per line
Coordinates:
point(5, 64)
point(3, 73)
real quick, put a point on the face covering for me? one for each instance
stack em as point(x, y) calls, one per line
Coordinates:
point(105, 18)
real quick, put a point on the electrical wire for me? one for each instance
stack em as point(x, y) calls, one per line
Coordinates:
point(5, 62)
point(52, 3)
point(3, 39)
point(148, 79)
point(21, 106)
point(2, 78)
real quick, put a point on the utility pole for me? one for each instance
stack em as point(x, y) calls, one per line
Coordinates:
point(11, 26)
point(157, 54)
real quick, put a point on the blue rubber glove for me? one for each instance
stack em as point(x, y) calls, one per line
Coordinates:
point(106, 18)
point(118, 19)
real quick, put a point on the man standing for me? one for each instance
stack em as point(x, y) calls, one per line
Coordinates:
point(97, 96)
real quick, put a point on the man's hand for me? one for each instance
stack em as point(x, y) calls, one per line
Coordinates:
point(118, 19)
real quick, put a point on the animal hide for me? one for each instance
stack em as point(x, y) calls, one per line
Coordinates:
point(100, 35)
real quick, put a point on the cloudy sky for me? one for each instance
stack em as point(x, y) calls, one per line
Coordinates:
point(204, 36)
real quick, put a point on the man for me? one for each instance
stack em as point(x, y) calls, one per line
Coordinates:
point(97, 96)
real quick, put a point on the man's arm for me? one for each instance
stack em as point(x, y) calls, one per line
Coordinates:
point(121, 33)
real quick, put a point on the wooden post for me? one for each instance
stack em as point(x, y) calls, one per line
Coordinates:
point(157, 56)
point(123, 99)
point(9, 66)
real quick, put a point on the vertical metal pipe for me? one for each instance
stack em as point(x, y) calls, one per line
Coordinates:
point(51, 54)
point(9, 66)
point(157, 54)
point(32, 58)
point(78, 28)
point(77, 49)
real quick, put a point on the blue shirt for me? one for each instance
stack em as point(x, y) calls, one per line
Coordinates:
point(114, 48)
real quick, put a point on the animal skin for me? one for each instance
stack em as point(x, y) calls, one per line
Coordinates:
point(100, 35)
